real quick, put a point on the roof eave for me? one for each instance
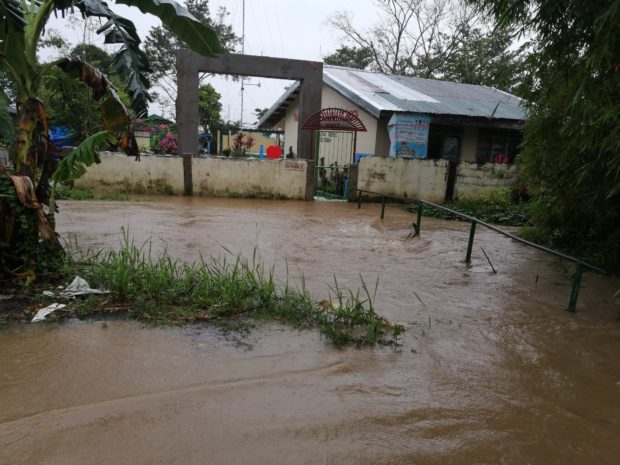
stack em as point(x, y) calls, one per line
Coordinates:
point(352, 96)
point(279, 103)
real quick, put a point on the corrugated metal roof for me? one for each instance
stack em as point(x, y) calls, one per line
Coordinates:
point(276, 106)
point(377, 93)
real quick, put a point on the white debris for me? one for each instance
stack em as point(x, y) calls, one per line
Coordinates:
point(41, 314)
point(48, 294)
point(79, 286)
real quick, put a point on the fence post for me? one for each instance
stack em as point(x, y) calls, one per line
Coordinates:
point(382, 207)
point(419, 219)
point(359, 199)
point(187, 174)
point(470, 244)
point(574, 293)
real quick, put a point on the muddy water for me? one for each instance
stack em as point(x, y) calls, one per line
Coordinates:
point(491, 370)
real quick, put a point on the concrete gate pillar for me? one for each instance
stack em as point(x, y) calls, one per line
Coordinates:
point(190, 64)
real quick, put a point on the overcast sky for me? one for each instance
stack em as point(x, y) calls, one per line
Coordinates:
point(279, 28)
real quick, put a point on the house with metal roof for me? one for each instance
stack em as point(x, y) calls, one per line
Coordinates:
point(465, 122)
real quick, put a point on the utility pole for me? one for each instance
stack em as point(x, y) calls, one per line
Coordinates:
point(243, 53)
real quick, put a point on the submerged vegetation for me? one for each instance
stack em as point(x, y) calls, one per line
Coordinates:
point(161, 290)
point(496, 206)
point(77, 193)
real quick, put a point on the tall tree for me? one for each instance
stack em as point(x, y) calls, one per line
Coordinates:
point(161, 46)
point(486, 57)
point(571, 152)
point(209, 106)
point(351, 57)
point(409, 33)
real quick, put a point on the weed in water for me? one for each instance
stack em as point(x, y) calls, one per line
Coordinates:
point(160, 289)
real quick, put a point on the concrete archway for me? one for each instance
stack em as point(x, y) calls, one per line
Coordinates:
point(190, 64)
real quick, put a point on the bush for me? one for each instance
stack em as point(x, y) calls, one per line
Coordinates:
point(497, 206)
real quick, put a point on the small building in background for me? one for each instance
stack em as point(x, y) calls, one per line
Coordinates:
point(412, 118)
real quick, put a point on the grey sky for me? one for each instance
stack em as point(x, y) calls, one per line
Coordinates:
point(281, 28)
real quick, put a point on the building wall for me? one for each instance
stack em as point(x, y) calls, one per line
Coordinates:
point(366, 141)
point(212, 176)
point(382, 144)
point(469, 143)
point(399, 177)
point(290, 127)
point(259, 139)
point(473, 179)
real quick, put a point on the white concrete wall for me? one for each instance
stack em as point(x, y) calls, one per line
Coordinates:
point(420, 179)
point(151, 175)
point(472, 179)
point(244, 177)
point(212, 176)
point(290, 128)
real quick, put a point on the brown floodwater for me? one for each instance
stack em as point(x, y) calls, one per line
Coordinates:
point(491, 370)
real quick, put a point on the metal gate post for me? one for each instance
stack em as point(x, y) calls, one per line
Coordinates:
point(359, 199)
point(382, 207)
point(419, 219)
point(470, 244)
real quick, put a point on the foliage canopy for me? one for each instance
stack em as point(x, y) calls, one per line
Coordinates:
point(571, 152)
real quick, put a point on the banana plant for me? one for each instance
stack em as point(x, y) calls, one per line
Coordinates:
point(22, 23)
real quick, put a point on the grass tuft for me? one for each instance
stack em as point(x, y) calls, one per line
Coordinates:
point(160, 289)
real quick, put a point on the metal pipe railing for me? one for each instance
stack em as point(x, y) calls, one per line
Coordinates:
point(580, 265)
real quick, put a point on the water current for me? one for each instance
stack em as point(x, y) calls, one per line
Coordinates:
point(491, 370)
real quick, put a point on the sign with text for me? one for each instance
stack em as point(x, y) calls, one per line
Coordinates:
point(293, 165)
point(409, 135)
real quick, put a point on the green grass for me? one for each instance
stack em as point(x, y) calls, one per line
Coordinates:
point(74, 193)
point(225, 291)
point(495, 206)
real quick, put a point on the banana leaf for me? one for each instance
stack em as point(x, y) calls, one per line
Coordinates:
point(198, 36)
point(74, 165)
point(115, 116)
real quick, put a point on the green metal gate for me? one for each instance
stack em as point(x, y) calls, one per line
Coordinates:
point(333, 157)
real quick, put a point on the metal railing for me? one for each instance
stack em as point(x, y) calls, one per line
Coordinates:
point(580, 265)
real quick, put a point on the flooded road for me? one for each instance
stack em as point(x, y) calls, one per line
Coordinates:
point(492, 370)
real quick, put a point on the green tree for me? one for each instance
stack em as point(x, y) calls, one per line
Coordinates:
point(260, 112)
point(209, 106)
point(161, 45)
point(94, 55)
point(22, 23)
point(70, 103)
point(487, 58)
point(571, 151)
point(351, 57)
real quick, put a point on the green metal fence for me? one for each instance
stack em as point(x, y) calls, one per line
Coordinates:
point(580, 265)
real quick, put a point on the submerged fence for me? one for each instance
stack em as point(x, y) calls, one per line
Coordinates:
point(580, 265)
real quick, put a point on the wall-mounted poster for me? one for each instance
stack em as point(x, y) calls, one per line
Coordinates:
point(409, 135)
